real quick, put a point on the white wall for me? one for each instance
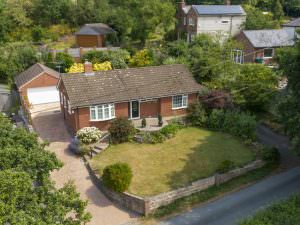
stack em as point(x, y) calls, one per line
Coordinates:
point(214, 25)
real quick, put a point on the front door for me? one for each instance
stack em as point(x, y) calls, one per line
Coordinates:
point(134, 109)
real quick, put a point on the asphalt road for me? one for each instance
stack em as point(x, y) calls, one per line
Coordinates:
point(234, 207)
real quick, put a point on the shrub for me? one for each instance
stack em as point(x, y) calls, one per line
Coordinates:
point(196, 115)
point(217, 99)
point(89, 135)
point(157, 137)
point(225, 166)
point(117, 177)
point(270, 154)
point(144, 122)
point(121, 130)
point(170, 130)
point(141, 59)
point(216, 119)
point(65, 61)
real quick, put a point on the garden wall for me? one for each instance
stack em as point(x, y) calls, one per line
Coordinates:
point(148, 204)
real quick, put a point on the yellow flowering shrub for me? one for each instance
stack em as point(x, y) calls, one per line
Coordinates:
point(79, 67)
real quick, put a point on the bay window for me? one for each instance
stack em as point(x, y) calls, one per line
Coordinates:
point(179, 101)
point(102, 112)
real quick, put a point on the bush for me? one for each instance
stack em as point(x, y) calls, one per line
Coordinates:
point(89, 135)
point(121, 130)
point(196, 115)
point(65, 61)
point(225, 166)
point(144, 123)
point(170, 130)
point(216, 119)
point(157, 137)
point(117, 177)
point(270, 154)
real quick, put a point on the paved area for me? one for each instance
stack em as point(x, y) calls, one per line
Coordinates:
point(230, 209)
point(49, 124)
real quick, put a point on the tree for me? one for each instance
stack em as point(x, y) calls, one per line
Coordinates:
point(22, 202)
point(15, 58)
point(253, 86)
point(27, 196)
point(277, 10)
point(65, 61)
point(257, 20)
point(141, 58)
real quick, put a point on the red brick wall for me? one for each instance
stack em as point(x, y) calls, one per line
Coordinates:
point(149, 109)
point(166, 106)
point(249, 50)
point(44, 80)
point(90, 41)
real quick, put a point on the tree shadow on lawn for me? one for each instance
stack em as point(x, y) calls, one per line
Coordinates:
point(205, 158)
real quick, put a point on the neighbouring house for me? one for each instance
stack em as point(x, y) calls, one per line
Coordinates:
point(96, 98)
point(93, 35)
point(37, 85)
point(223, 20)
point(5, 98)
point(293, 25)
point(260, 45)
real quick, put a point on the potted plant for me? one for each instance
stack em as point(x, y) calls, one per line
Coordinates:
point(160, 121)
point(144, 123)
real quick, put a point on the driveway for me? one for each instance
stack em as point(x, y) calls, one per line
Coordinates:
point(49, 124)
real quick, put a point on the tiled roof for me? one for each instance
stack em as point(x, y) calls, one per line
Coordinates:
point(95, 29)
point(32, 72)
point(293, 23)
point(128, 84)
point(219, 9)
point(270, 38)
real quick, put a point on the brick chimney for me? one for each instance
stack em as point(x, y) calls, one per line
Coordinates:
point(181, 4)
point(227, 2)
point(88, 68)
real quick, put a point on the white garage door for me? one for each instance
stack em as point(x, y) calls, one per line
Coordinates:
point(43, 95)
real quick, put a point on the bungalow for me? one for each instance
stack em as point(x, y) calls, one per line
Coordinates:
point(96, 98)
point(93, 35)
point(259, 45)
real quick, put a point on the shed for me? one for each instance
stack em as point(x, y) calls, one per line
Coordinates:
point(93, 35)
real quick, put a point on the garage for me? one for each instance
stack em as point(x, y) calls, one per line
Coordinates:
point(43, 95)
point(37, 85)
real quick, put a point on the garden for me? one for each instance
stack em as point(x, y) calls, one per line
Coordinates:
point(190, 154)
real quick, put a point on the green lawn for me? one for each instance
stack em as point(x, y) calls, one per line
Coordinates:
point(192, 154)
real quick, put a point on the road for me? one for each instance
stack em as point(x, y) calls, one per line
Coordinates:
point(230, 209)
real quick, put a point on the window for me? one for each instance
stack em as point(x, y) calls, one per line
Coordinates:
point(65, 102)
point(184, 20)
point(190, 37)
point(69, 108)
point(102, 112)
point(224, 21)
point(61, 98)
point(268, 52)
point(179, 101)
point(237, 56)
point(191, 21)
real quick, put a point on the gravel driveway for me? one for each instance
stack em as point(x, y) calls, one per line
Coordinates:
point(49, 124)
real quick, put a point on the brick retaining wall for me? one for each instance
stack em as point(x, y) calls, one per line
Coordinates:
point(148, 204)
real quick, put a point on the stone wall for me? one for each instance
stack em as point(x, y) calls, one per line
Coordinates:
point(146, 205)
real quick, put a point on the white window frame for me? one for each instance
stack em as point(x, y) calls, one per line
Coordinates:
point(69, 107)
point(237, 56)
point(184, 20)
point(184, 102)
point(102, 108)
point(61, 98)
point(268, 57)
